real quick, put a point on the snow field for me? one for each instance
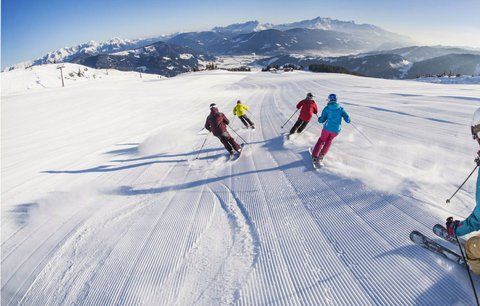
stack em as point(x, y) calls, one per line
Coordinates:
point(104, 203)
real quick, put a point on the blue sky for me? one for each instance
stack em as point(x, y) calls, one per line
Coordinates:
point(31, 28)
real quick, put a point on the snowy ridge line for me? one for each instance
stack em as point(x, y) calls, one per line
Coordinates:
point(332, 234)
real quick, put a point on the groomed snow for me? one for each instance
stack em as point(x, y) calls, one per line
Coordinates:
point(464, 79)
point(103, 201)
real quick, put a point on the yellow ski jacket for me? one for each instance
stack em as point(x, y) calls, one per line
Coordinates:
point(240, 110)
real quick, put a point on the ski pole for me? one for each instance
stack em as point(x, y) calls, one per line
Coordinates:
point(199, 151)
point(238, 135)
point(448, 200)
point(468, 271)
point(289, 118)
point(362, 133)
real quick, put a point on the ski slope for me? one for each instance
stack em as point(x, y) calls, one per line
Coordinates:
point(104, 202)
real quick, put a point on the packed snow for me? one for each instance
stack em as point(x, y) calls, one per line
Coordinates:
point(104, 200)
point(463, 79)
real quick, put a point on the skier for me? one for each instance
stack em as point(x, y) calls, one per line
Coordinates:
point(217, 124)
point(472, 223)
point(307, 107)
point(240, 110)
point(331, 118)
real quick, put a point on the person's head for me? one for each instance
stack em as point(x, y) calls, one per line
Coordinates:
point(213, 107)
point(238, 102)
point(475, 127)
point(332, 98)
point(309, 96)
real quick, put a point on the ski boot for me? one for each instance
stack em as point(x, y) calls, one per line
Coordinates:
point(319, 161)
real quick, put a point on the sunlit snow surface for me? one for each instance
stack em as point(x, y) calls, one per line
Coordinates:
point(104, 201)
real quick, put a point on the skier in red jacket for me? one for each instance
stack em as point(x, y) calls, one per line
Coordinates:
point(307, 107)
point(217, 124)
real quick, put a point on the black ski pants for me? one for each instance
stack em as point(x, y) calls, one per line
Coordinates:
point(299, 126)
point(246, 121)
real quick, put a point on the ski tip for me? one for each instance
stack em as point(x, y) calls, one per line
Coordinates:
point(414, 234)
point(438, 226)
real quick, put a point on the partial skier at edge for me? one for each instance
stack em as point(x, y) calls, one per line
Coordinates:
point(217, 124)
point(241, 110)
point(472, 222)
point(331, 118)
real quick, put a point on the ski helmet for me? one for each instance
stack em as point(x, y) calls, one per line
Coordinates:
point(238, 102)
point(476, 125)
point(309, 95)
point(332, 97)
point(213, 105)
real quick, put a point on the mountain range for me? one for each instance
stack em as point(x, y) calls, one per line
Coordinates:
point(400, 63)
point(362, 48)
point(158, 58)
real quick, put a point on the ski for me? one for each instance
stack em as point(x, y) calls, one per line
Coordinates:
point(442, 232)
point(235, 157)
point(427, 243)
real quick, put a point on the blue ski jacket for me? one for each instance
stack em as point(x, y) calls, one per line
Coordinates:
point(472, 223)
point(332, 115)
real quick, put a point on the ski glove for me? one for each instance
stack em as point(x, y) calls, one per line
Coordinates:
point(452, 226)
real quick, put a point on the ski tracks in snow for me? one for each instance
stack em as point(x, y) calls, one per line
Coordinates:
point(261, 230)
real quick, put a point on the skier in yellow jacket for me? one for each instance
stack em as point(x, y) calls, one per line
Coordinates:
point(241, 110)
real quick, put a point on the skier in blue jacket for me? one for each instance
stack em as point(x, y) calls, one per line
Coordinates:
point(331, 118)
point(472, 223)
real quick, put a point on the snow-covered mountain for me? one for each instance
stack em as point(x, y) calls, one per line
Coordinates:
point(315, 35)
point(243, 28)
point(158, 58)
point(393, 64)
point(362, 48)
point(72, 54)
point(421, 53)
point(318, 34)
point(318, 23)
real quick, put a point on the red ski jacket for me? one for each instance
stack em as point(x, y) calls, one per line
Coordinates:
point(216, 122)
point(307, 109)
